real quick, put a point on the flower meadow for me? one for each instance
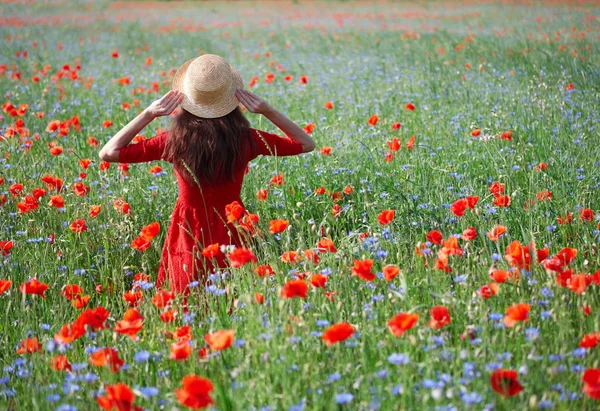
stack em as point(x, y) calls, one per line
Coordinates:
point(438, 250)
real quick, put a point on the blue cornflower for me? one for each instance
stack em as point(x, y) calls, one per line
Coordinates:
point(398, 359)
point(532, 334)
point(149, 392)
point(344, 398)
point(141, 356)
point(334, 377)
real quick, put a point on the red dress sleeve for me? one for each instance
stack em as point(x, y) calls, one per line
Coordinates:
point(144, 151)
point(268, 144)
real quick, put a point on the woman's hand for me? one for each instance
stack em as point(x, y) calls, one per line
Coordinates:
point(252, 102)
point(165, 105)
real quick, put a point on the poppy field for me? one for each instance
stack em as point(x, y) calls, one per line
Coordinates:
point(437, 250)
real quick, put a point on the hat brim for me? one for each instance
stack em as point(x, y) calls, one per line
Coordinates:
point(220, 107)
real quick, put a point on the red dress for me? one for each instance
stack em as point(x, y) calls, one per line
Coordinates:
point(198, 219)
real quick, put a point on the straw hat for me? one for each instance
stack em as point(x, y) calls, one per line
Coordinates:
point(209, 83)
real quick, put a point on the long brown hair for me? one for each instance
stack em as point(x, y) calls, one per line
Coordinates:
point(211, 147)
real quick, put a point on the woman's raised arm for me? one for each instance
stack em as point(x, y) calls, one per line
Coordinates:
point(255, 104)
point(161, 107)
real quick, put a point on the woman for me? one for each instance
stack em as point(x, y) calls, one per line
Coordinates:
point(210, 144)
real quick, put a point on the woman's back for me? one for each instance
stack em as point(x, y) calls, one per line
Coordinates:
point(195, 191)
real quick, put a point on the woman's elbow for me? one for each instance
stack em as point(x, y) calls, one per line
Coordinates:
point(110, 156)
point(308, 147)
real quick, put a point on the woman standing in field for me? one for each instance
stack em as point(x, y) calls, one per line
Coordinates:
point(210, 144)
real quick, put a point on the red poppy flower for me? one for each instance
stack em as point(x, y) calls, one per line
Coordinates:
point(106, 357)
point(329, 105)
point(219, 340)
point(4, 285)
point(502, 201)
point(162, 299)
point(264, 270)
point(294, 288)
point(60, 363)
point(440, 317)
point(318, 280)
point(435, 237)
point(78, 226)
point(410, 107)
point(566, 255)
point(133, 298)
point(29, 346)
point(401, 323)
point(94, 318)
point(373, 120)
point(505, 383)
point(38, 193)
point(80, 301)
point(390, 272)
point(27, 205)
point(261, 195)
point(518, 255)
point(476, 132)
point(168, 316)
point(234, 211)
point(71, 291)
point(140, 244)
point(488, 290)
point(277, 226)
point(241, 256)
point(259, 298)
point(516, 313)
point(496, 188)
point(362, 268)
point(337, 333)
point(591, 383)
point(70, 332)
point(578, 283)
point(33, 286)
point(5, 247)
point(211, 251)
point(290, 257)
point(394, 145)
point(386, 217)
point(195, 392)
point(150, 231)
point(566, 219)
point(180, 350)
point(499, 276)
point(469, 234)
point(122, 206)
point(396, 126)
point(309, 128)
point(586, 214)
point(80, 189)
point(184, 333)
point(118, 396)
point(131, 324)
point(590, 340)
point(458, 207)
point(57, 202)
point(496, 232)
point(326, 244)
point(276, 180)
point(472, 201)
point(326, 151)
